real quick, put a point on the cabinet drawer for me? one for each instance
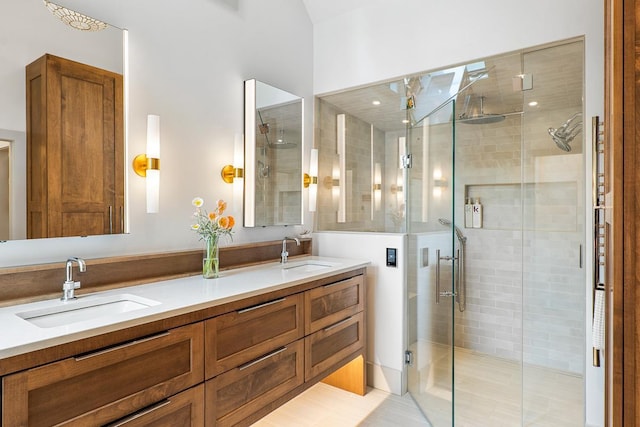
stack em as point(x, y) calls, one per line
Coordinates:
point(240, 336)
point(330, 345)
point(106, 385)
point(236, 394)
point(331, 303)
point(183, 409)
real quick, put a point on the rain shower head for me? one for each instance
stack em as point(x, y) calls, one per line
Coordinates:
point(282, 143)
point(461, 237)
point(481, 118)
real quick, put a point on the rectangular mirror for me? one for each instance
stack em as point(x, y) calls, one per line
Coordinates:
point(273, 129)
point(79, 197)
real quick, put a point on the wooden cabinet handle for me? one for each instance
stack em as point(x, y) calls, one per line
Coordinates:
point(335, 325)
point(255, 307)
point(121, 346)
point(261, 359)
point(139, 414)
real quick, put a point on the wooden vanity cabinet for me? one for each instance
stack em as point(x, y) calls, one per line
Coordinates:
point(183, 409)
point(103, 386)
point(243, 335)
point(237, 394)
point(334, 321)
point(226, 370)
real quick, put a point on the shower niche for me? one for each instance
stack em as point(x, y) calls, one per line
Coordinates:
point(273, 156)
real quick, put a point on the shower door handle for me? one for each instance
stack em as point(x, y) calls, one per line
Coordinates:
point(437, 276)
point(438, 293)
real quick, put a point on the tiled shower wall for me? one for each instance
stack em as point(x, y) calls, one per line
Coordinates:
point(525, 284)
point(365, 147)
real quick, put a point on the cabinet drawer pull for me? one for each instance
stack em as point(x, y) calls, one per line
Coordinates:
point(262, 359)
point(341, 282)
point(142, 413)
point(255, 307)
point(335, 325)
point(121, 346)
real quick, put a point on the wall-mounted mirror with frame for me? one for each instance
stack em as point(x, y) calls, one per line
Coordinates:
point(273, 156)
point(34, 33)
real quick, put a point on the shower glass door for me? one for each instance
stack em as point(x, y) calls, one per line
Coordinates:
point(433, 280)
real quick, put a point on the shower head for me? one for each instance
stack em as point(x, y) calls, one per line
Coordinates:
point(461, 237)
point(481, 118)
point(561, 142)
point(566, 133)
point(281, 142)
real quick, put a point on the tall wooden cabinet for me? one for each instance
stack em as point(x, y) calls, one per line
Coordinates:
point(75, 149)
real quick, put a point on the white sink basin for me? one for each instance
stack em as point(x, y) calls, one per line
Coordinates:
point(307, 266)
point(85, 308)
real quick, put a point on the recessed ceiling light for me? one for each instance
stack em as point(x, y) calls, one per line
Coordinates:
point(376, 102)
point(533, 103)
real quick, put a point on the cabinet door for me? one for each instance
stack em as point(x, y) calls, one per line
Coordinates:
point(103, 386)
point(235, 395)
point(75, 153)
point(240, 336)
point(183, 409)
point(328, 304)
point(329, 346)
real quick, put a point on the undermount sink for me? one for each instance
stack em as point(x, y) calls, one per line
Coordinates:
point(85, 308)
point(307, 266)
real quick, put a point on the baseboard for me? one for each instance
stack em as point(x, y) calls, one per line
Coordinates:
point(384, 378)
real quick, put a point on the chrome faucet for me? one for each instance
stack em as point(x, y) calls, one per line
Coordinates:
point(284, 255)
point(69, 286)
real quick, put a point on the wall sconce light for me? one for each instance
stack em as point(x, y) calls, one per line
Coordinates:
point(148, 165)
point(229, 173)
point(396, 188)
point(377, 187)
point(438, 182)
point(342, 172)
point(311, 180)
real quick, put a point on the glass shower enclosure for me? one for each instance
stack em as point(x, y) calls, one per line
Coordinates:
point(481, 165)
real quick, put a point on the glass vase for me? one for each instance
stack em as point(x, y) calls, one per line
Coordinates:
point(211, 261)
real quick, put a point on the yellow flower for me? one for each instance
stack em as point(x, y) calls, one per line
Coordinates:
point(222, 205)
point(232, 221)
point(195, 226)
point(212, 216)
point(197, 202)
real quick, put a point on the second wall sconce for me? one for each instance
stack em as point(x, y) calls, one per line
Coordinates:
point(148, 165)
point(229, 173)
point(310, 180)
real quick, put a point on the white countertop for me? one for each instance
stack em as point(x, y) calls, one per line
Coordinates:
point(170, 298)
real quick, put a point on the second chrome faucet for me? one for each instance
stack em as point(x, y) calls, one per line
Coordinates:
point(285, 255)
point(69, 286)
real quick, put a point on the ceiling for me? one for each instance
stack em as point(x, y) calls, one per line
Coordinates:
point(320, 10)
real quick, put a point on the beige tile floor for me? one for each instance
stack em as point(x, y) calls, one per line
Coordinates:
point(488, 394)
point(325, 406)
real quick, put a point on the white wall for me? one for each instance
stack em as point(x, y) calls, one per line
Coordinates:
point(188, 61)
point(385, 299)
point(387, 39)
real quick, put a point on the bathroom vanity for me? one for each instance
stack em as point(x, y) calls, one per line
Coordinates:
point(199, 352)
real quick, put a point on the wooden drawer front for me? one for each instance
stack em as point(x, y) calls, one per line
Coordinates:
point(236, 394)
point(331, 303)
point(183, 409)
point(332, 344)
point(103, 386)
point(238, 337)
